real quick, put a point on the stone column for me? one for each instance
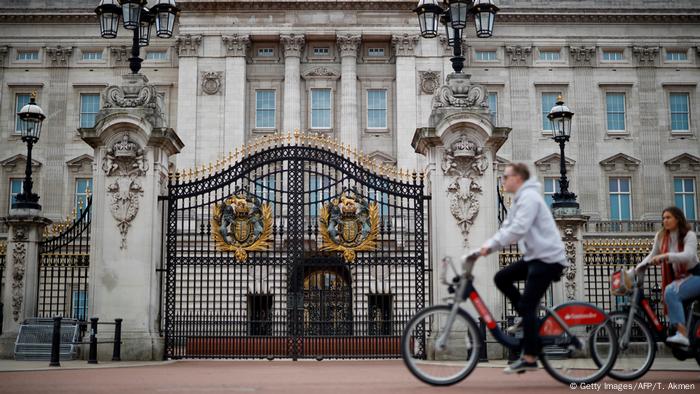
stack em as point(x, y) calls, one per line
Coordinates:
point(235, 98)
point(460, 146)
point(404, 47)
point(19, 296)
point(3, 56)
point(188, 48)
point(132, 144)
point(293, 45)
point(649, 142)
point(570, 287)
point(348, 45)
point(518, 58)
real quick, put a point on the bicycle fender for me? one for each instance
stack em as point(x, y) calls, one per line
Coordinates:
point(573, 314)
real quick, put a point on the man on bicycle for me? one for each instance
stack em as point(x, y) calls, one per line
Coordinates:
point(531, 224)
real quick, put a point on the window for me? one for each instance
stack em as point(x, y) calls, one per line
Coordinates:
point(677, 55)
point(319, 193)
point(320, 108)
point(83, 188)
point(265, 188)
point(375, 52)
point(485, 55)
point(157, 55)
point(615, 103)
point(684, 196)
point(551, 186)
point(265, 109)
point(22, 99)
point(549, 100)
point(612, 56)
point(79, 304)
point(16, 187)
point(376, 109)
point(92, 55)
point(382, 199)
point(679, 111)
point(27, 55)
point(620, 199)
point(321, 51)
point(89, 107)
point(266, 52)
point(550, 55)
point(493, 106)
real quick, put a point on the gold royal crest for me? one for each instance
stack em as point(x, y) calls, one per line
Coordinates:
point(241, 224)
point(349, 225)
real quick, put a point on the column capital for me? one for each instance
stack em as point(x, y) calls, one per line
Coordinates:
point(582, 56)
point(404, 44)
point(59, 56)
point(519, 55)
point(3, 53)
point(236, 44)
point(348, 44)
point(646, 56)
point(188, 44)
point(120, 55)
point(293, 44)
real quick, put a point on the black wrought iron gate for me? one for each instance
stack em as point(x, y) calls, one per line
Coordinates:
point(295, 247)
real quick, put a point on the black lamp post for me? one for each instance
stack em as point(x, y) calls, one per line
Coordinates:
point(31, 118)
point(560, 117)
point(454, 18)
point(139, 18)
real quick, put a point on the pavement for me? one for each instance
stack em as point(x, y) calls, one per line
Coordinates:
point(308, 377)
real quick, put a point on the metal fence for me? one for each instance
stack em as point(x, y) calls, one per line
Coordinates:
point(3, 253)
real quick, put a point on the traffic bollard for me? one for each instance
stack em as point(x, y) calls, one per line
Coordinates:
point(56, 343)
point(92, 358)
point(116, 353)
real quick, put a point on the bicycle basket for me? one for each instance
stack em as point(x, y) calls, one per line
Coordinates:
point(621, 282)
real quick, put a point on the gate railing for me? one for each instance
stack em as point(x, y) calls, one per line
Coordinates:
point(64, 260)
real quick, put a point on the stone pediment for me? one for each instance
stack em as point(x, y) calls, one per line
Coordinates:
point(13, 161)
point(77, 163)
point(500, 163)
point(620, 161)
point(552, 161)
point(381, 158)
point(320, 73)
point(683, 161)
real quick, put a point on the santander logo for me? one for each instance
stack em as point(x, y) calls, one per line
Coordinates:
point(570, 316)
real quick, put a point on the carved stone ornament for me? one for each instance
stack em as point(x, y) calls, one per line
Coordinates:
point(236, 44)
point(130, 96)
point(582, 56)
point(404, 44)
point(188, 45)
point(465, 162)
point(120, 55)
point(124, 163)
point(646, 56)
point(570, 272)
point(320, 73)
point(59, 56)
point(429, 81)
point(211, 82)
point(293, 44)
point(518, 55)
point(460, 92)
point(19, 255)
point(348, 44)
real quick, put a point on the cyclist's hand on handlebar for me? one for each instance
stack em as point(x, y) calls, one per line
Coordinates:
point(485, 250)
point(656, 260)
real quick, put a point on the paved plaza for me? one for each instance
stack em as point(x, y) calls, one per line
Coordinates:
point(309, 377)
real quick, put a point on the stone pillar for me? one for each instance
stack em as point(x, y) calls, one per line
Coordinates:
point(460, 146)
point(518, 58)
point(132, 146)
point(570, 287)
point(187, 48)
point(649, 142)
point(235, 85)
point(348, 45)
point(19, 296)
point(404, 47)
point(293, 45)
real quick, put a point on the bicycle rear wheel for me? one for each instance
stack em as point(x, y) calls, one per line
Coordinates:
point(435, 366)
point(637, 357)
point(588, 354)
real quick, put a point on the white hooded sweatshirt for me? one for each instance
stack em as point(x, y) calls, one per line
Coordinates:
point(530, 222)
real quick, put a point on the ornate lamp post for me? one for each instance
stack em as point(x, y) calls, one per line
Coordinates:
point(560, 117)
point(138, 18)
point(454, 19)
point(31, 118)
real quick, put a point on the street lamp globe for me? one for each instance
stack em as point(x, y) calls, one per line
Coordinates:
point(453, 35)
point(484, 17)
point(165, 12)
point(458, 10)
point(145, 27)
point(131, 11)
point(32, 117)
point(428, 16)
point(108, 12)
point(560, 118)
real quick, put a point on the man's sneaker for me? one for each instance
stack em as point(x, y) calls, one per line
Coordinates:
point(678, 339)
point(517, 326)
point(520, 366)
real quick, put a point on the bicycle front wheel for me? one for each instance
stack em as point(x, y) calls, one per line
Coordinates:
point(586, 355)
point(427, 359)
point(635, 359)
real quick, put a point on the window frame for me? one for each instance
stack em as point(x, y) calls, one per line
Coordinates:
point(329, 109)
point(608, 112)
point(621, 51)
point(86, 51)
point(80, 110)
point(17, 120)
point(478, 52)
point(274, 109)
point(683, 193)
point(668, 55)
point(545, 111)
point(556, 189)
point(164, 58)
point(77, 195)
point(543, 51)
point(688, 113)
point(619, 193)
point(385, 109)
point(493, 113)
point(10, 194)
point(21, 51)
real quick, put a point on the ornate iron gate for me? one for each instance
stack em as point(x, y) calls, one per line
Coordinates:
point(295, 247)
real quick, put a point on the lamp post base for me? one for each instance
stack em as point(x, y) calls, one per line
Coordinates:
point(566, 206)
